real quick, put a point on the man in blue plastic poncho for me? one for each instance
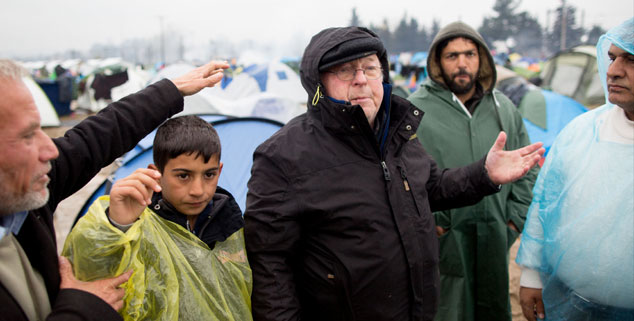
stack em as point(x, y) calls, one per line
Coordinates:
point(577, 250)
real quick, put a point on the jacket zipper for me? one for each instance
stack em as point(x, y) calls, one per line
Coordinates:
point(386, 172)
point(408, 188)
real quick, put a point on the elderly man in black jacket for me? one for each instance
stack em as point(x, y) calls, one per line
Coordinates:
point(338, 218)
point(36, 173)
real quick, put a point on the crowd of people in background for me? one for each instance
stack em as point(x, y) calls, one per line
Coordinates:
point(368, 206)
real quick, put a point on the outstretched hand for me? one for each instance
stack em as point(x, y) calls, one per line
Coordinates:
point(201, 77)
point(507, 166)
point(106, 289)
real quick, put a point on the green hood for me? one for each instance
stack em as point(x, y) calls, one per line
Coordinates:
point(487, 75)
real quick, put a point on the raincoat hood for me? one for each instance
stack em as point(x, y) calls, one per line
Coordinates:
point(322, 43)
point(620, 36)
point(487, 75)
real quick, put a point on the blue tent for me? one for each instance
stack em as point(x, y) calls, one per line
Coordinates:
point(238, 136)
point(545, 113)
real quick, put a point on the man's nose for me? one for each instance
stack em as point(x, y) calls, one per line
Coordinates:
point(359, 76)
point(616, 69)
point(48, 150)
point(462, 60)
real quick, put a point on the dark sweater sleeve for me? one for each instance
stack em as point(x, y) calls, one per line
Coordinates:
point(458, 187)
point(98, 140)
point(75, 305)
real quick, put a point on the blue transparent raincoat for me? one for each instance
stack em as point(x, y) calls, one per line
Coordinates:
point(579, 233)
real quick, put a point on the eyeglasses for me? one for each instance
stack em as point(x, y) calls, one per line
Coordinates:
point(348, 73)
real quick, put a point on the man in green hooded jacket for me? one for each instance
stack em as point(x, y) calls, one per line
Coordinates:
point(463, 115)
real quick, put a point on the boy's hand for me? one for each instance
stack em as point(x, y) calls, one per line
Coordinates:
point(130, 195)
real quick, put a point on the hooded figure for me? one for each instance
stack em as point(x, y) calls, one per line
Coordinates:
point(338, 218)
point(577, 250)
point(463, 115)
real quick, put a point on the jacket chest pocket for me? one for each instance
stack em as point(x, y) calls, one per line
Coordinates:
point(413, 192)
point(415, 197)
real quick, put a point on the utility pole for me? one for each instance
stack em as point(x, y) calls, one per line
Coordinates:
point(564, 22)
point(546, 34)
point(161, 18)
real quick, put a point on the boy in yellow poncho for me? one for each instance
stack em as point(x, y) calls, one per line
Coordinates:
point(180, 233)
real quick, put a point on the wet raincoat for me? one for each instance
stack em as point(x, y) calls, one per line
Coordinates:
point(578, 235)
point(474, 250)
point(176, 275)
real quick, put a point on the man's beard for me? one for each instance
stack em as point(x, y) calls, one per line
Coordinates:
point(457, 88)
point(11, 202)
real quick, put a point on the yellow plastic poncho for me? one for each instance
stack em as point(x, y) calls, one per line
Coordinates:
point(176, 276)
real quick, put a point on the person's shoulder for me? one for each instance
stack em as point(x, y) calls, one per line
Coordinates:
point(503, 100)
point(225, 199)
point(587, 119)
point(292, 133)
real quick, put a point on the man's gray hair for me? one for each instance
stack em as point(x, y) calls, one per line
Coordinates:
point(11, 70)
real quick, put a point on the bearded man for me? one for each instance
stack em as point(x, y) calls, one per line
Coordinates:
point(463, 116)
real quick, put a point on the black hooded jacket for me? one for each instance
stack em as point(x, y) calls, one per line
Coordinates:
point(336, 229)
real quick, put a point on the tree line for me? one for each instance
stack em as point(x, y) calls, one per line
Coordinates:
point(507, 27)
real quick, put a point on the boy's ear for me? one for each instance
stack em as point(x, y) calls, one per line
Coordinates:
point(219, 168)
point(152, 166)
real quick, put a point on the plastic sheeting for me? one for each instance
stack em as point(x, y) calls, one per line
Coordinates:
point(176, 276)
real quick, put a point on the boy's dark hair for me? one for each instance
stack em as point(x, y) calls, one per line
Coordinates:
point(185, 135)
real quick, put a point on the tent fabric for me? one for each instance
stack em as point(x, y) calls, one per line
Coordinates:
point(238, 137)
point(544, 112)
point(268, 90)
point(555, 110)
point(176, 276)
point(574, 73)
point(48, 115)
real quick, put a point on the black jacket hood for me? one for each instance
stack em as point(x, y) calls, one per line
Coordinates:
point(320, 44)
point(487, 76)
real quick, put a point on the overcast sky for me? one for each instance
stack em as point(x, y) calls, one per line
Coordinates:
point(31, 27)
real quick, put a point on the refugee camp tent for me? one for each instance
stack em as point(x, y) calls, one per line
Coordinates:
point(260, 90)
point(238, 137)
point(109, 80)
point(274, 77)
point(545, 113)
point(48, 115)
point(197, 104)
point(574, 73)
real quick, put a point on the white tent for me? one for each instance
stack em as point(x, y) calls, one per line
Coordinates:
point(274, 78)
point(137, 80)
point(48, 115)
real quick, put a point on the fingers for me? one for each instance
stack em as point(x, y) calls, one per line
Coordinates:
point(65, 272)
point(529, 149)
point(213, 79)
point(499, 142)
point(124, 277)
point(138, 186)
point(539, 308)
point(531, 303)
point(113, 294)
point(214, 67)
